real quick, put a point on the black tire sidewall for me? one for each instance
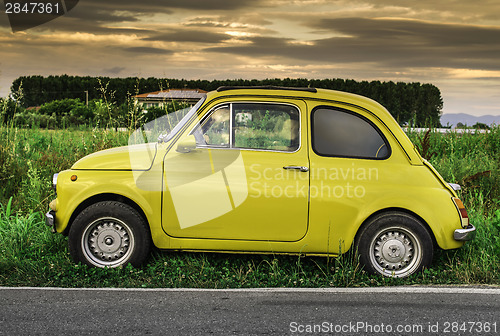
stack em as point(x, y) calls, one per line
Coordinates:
point(113, 209)
point(393, 219)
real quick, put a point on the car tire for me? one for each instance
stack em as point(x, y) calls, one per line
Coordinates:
point(109, 234)
point(394, 244)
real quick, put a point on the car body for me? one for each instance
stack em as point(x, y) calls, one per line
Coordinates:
point(264, 170)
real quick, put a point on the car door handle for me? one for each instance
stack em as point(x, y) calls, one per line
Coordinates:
point(301, 168)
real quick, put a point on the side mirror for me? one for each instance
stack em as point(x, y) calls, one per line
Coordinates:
point(186, 145)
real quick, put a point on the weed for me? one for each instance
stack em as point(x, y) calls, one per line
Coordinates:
point(425, 145)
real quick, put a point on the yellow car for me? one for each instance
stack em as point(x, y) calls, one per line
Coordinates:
point(263, 170)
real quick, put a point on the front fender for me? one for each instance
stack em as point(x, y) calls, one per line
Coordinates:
point(89, 184)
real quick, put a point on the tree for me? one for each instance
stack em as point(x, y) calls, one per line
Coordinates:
point(413, 103)
point(480, 125)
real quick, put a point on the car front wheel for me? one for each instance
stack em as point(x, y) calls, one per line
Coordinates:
point(394, 244)
point(109, 234)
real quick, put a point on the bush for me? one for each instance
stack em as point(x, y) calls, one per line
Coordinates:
point(60, 107)
point(30, 119)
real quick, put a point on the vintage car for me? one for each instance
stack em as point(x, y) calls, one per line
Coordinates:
point(263, 170)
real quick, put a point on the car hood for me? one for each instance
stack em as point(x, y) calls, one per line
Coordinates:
point(135, 157)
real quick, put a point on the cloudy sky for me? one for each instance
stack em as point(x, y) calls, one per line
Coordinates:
point(453, 44)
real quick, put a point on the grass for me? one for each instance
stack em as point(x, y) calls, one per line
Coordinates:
point(29, 158)
point(30, 255)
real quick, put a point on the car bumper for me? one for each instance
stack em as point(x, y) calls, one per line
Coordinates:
point(465, 234)
point(50, 220)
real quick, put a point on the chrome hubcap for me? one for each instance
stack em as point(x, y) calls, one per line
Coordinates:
point(396, 252)
point(107, 242)
point(393, 250)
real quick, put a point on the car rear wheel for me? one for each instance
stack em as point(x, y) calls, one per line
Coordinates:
point(394, 244)
point(109, 234)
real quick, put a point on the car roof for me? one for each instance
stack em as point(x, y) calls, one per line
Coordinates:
point(345, 98)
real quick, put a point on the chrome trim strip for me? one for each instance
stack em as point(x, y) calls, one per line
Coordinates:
point(231, 125)
point(301, 168)
point(54, 181)
point(230, 103)
point(455, 186)
point(266, 87)
point(50, 220)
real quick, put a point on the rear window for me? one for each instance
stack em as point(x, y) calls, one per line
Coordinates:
point(345, 134)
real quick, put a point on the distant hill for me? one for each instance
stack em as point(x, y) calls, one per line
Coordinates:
point(454, 118)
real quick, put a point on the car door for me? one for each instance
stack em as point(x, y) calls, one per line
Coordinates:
point(240, 171)
point(350, 163)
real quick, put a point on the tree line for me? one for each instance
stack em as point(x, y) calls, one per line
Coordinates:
point(413, 103)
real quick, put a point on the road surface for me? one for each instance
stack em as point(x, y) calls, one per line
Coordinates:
point(369, 311)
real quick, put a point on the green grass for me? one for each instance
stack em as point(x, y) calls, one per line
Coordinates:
point(29, 158)
point(30, 255)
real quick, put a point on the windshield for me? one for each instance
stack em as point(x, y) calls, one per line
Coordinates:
point(164, 128)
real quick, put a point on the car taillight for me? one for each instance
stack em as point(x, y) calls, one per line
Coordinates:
point(463, 212)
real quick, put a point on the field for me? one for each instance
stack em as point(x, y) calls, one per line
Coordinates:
point(32, 256)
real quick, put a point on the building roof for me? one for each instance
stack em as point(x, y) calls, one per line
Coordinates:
point(173, 94)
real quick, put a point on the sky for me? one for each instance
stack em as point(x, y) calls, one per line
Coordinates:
point(453, 44)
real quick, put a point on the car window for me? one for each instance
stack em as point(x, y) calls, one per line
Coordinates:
point(266, 126)
point(262, 126)
point(345, 134)
point(215, 128)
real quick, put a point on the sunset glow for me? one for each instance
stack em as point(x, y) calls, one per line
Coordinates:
point(451, 44)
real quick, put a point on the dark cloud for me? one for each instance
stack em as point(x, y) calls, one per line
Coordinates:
point(127, 10)
point(87, 19)
point(149, 50)
point(411, 32)
point(260, 47)
point(114, 70)
point(189, 35)
point(154, 5)
point(397, 43)
point(87, 27)
point(95, 16)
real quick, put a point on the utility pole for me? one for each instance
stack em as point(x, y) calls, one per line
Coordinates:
point(86, 97)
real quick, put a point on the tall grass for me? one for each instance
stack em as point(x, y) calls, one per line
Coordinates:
point(472, 160)
point(29, 158)
point(32, 256)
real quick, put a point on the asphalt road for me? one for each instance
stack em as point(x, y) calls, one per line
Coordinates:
point(372, 311)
